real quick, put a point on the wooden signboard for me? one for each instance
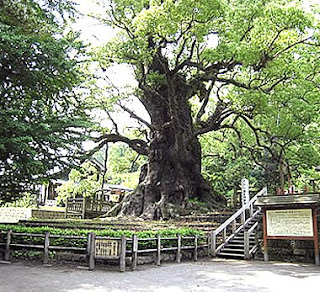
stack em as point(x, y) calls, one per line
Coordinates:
point(289, 222)
point(290, 217)
point(107, 248)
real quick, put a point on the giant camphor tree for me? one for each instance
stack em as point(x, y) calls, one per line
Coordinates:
point(42, 115)
point(204, 66)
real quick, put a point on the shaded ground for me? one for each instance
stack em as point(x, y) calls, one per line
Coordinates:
point(208, 275)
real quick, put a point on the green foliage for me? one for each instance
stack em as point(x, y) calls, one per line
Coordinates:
point(124, 166)
point(123, 159)
point(84, 232)
point(28, 200)
point(83, 182)
point(42, 111)
point(261, 58)
point(224, 163)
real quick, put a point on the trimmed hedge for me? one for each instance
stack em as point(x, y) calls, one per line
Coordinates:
point(184, 232)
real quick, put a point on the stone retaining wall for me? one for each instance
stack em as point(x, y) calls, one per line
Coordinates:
point(47, 214)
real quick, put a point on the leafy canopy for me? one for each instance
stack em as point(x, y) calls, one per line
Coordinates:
point(251, 69)
point(42, 105)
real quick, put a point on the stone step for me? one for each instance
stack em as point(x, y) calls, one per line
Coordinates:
point(232, 250)
point(236, 245)
point(230, 255)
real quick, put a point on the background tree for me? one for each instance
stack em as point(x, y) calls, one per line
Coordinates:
point(83, 182)
point(42, 113)
point(229, 58)
point(124, 165)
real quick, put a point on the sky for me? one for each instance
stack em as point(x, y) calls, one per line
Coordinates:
point(97, 34)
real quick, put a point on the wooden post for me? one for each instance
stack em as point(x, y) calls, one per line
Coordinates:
point(123, 253)
point(134, 252)
point(178, 256)
point(234, 226)
point(213, 244)
point(88, 248)
point(66, 215)
point(224, 234)
point(83, 214)
point(7, 249)
point(315, 235)
point(251, 210)
point(195, 253)
point(158, 260)
point(91, 250)
point(246, 245)
point(265, 241)
point(46, 248)
point(243, 217)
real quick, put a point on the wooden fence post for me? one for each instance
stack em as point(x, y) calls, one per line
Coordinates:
point(251, 211)
point(234, 226)
point(83, 215)
point(246, 245)
point(213, 244)
point(158, 260)
point(123, 253)
point(88, 248)
point(178, 256)
point(134, 252)
point(66, 214)
point(195, 253)
point(46, 248)
point(224, 234)
point(243, 217)
point(208, 244)
point(7, 249)
point(91, 251)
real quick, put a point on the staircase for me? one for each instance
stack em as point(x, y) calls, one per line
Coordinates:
point(235, 238)
point(235, 248)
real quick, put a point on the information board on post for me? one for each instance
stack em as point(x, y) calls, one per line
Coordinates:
point(107, 248)
point(290, 222)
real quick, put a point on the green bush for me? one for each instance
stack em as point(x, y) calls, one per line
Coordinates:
point(185, 232)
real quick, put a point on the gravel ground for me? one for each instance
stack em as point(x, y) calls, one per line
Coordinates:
point(205, 275)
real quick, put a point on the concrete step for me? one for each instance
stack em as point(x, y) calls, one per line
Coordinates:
point(230, 255)
point(237, 245)
point(232, 250)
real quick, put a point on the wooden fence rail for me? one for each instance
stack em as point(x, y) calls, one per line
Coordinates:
point(107, 248)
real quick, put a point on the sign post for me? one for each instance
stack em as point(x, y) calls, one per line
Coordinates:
point(245, 197)
point(291, 217)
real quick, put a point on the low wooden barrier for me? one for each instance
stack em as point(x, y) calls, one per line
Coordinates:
point(86, 208)
point(108, 248)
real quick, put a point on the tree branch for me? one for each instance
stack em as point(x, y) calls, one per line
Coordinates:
point(204, 104)
point(138, 145)
point(134, 115)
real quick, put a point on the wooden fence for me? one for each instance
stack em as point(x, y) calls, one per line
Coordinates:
point(86, 207)
point(107, 248)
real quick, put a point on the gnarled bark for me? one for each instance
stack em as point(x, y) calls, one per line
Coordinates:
point(172, 176)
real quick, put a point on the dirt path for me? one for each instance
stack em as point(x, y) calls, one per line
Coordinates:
point(209, 275)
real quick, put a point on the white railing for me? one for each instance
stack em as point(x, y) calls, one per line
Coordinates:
point(247, 250)
point(231, 227)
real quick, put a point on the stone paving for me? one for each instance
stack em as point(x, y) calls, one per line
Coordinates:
point(204, 275)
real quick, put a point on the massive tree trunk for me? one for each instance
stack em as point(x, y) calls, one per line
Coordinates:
point(172, 176)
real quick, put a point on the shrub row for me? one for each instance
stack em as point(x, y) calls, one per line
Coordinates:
point(185, 232)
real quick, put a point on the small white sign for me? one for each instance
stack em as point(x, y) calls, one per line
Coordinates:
point(290, 222)
point(13, 215)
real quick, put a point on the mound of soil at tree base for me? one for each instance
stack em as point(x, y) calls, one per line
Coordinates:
point(204, 222)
